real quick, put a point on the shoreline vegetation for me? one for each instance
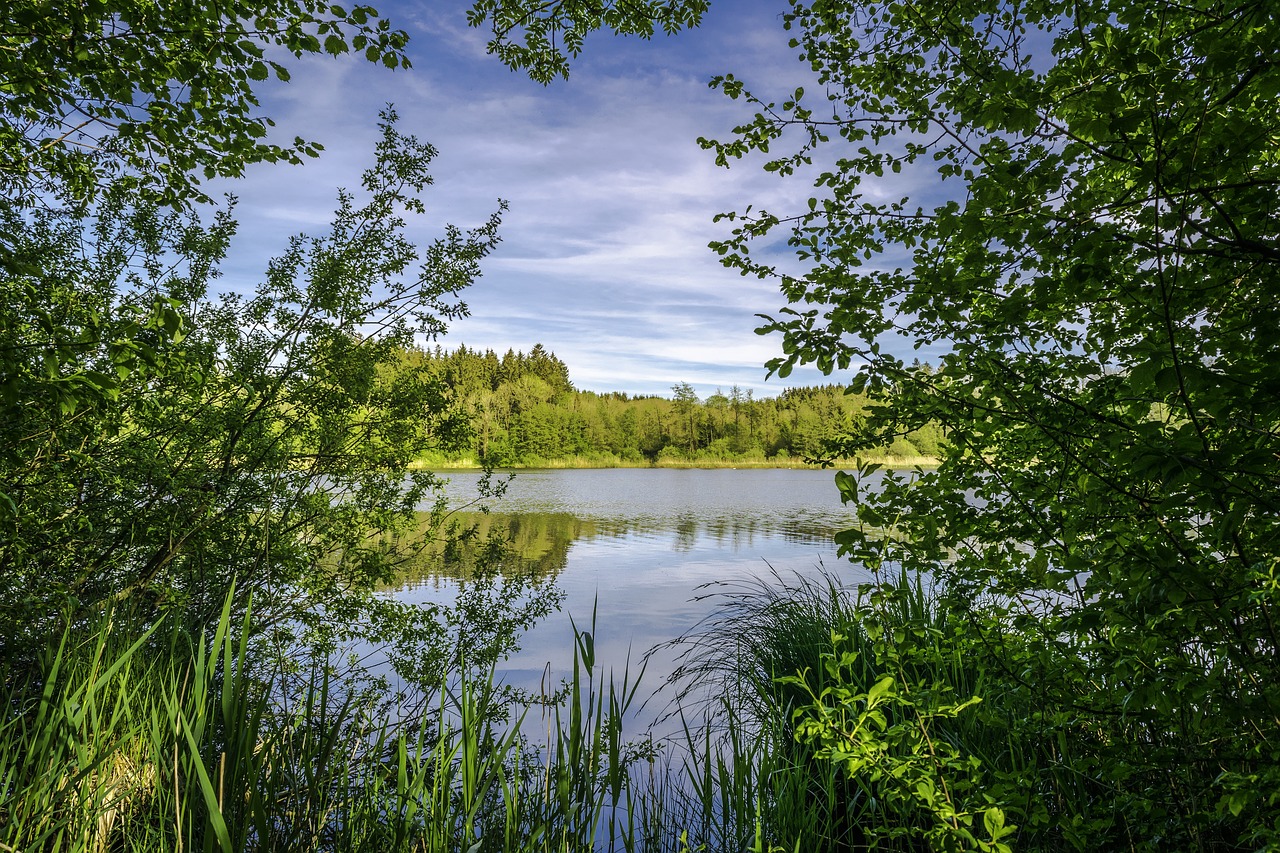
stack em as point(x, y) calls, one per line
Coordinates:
point(520, 410)
point(155, 738)
point(587, 463)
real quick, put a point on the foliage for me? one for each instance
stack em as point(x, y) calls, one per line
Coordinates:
point(525, 411)
point(1102, 278)
point(159, 441)
point(890, 728)
point(156, 95)
point(541, 37)
point(686, 406)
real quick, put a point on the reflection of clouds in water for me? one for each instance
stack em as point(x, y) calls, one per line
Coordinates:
point(635, 545)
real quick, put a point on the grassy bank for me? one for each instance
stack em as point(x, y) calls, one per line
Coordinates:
point(574, 462)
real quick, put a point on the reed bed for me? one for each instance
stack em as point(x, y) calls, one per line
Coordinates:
point(165, 740)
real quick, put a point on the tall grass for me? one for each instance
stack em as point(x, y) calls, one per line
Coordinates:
point(167, 741)
point(170, 742)
point(758, 665)
point(750, 782)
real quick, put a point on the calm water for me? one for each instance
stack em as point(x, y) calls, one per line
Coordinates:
point(638, 545)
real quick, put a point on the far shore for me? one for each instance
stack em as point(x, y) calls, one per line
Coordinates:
point(895, 462)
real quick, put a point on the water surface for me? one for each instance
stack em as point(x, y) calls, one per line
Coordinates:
point(639, 545)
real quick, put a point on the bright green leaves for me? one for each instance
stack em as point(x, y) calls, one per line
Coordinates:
point(892, 739)
point(1074, 203)
point(540, 37)
point(154, 94)
point(334, 45)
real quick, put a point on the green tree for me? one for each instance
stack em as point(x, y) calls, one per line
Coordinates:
point(686, 411)
point(549, 369)
point(716, 407)
point(625, 440)
point(204, 439)
point(1093, 244)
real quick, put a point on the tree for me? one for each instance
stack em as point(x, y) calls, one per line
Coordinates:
point(260, 440)
point(1090, 236)
point(686, 406)
point(1087, 229)
point(158, 95)
point(736, 400)
point(549, 369)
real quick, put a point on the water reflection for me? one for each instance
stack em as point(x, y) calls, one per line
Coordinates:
point(539, 542)
point(635, 547)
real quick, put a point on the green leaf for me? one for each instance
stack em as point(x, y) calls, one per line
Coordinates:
point(207, 790)
point(993, 823)
point(882, 689)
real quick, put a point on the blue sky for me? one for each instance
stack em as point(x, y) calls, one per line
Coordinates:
point(604, 257)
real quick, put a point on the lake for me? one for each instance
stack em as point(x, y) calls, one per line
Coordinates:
point(639, 545)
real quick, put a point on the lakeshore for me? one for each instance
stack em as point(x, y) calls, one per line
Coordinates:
point(582, 462)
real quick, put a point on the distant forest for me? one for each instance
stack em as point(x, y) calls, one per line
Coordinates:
point(525, 411)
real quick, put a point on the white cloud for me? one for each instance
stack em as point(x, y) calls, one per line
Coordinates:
point(604, 258)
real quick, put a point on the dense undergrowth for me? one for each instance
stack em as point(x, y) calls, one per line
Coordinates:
point(814, 718)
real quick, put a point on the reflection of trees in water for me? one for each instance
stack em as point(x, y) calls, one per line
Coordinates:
point(742, 533)
point(536, 544)
point(731, 532)
point(686, 533)
point(528, 544)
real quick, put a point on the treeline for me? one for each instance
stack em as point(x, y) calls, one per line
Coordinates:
point(524, 410)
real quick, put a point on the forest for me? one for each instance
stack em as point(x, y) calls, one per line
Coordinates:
point(525, 412)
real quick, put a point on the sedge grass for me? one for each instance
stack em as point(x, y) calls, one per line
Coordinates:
point(167, 741)
point(174, 742)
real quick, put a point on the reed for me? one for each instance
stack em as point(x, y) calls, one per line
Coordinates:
point(167, 741)
point(164, 740)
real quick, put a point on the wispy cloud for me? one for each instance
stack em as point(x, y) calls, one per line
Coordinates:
point(604, 257)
